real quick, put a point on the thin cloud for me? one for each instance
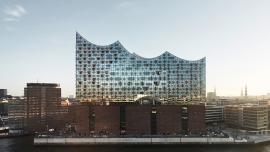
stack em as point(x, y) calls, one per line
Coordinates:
point(10, 29)
point(10, 19)
point(124, 4)
point(14, 13)
point(131, 8)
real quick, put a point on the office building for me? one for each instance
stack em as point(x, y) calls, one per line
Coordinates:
point(249, 116)
point(43, 109)
point(214, 113)
point(16, 113)
point(3, 93)
point(233, 115)
point(111, 73)
point(255, 117)
point(3, 108)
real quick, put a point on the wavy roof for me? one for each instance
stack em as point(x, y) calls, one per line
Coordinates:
point(78, 36)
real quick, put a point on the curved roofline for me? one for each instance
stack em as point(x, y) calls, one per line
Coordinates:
point(79, 35)
point(166, 52)
point(136, 55)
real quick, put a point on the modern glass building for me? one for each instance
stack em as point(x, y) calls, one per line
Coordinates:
point(111, 73)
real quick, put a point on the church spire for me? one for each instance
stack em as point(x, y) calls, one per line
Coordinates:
point(246, 92)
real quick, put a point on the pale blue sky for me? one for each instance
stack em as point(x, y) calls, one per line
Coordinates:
point(37, 38)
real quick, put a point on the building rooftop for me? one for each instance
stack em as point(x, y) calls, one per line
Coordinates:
point(43, 84)
point(166, 53)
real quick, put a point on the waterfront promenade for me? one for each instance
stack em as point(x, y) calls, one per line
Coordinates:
point(250, 139)
point(136, 141)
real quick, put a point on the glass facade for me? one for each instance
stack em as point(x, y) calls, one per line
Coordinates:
point(111, 73)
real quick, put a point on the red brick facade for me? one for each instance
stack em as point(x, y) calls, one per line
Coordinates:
point(135, 119)
point(107, 119)
point(196, 115)
point(138, 119)
point(169, 119)
point(79, 118)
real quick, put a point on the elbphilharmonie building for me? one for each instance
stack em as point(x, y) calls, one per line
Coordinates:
point(111, 73)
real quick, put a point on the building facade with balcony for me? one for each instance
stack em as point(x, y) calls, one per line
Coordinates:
point(111, 73)
point(249, 117)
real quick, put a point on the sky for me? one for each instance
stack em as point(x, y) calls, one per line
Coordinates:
point(37, 38)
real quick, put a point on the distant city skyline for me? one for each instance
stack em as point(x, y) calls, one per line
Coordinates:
point(38, 38)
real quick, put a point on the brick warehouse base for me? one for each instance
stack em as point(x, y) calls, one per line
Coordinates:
point(136, 119)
